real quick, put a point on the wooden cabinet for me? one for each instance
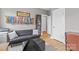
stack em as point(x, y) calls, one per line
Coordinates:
point(72, 41)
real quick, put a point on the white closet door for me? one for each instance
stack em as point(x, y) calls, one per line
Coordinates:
point(59, 24)
point(44, 23)
point(49, 25)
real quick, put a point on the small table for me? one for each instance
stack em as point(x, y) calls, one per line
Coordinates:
point(4, 46)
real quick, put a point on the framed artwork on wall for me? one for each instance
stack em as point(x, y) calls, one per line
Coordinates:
point(21, 13)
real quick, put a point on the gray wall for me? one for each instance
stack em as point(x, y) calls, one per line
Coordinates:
point(12, 12)
point(72, 19)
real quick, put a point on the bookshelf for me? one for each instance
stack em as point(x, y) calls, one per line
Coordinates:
point(38, 23)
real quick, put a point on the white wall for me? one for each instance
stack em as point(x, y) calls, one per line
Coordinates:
point(72, 19)
point(12, 12)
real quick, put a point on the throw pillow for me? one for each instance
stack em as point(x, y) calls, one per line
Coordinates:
point(12, 35)
point(35, 32)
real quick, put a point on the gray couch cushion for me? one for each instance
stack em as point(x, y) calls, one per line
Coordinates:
point(24, 32)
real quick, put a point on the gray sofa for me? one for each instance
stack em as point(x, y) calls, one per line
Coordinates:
point(30, 42)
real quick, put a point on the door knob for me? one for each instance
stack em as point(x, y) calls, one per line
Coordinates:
point(53, 26)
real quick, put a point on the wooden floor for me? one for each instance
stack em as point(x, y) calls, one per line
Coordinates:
point(54, 43)
point(4, 46)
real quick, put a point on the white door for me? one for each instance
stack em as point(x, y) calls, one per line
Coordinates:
point(49, 25)
point(44, 23)
point(59, 24)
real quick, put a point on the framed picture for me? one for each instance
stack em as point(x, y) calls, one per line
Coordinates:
point(21, 13)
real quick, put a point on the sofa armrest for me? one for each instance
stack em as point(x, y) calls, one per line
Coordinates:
point(40, 43)
point(23, 38)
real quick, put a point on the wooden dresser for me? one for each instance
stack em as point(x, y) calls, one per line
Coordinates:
point(72, 39)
